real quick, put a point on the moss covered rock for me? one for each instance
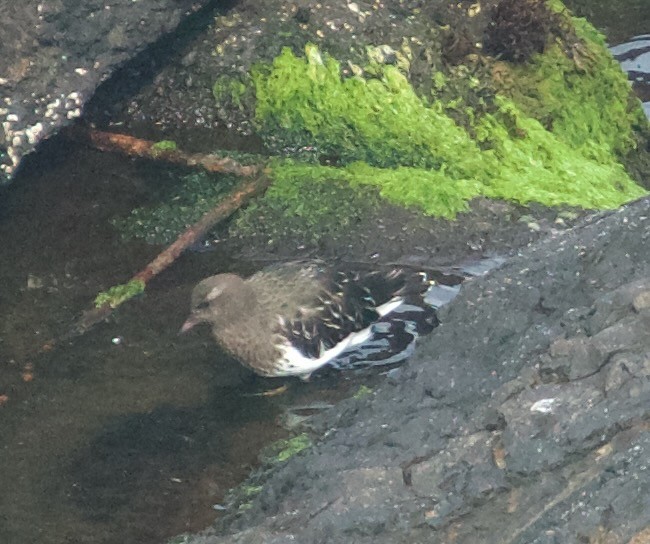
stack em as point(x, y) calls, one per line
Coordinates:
point(425, 106)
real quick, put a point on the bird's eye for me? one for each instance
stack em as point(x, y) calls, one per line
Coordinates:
point(203, 305)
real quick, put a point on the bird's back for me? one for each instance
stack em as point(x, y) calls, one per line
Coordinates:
point(304, 314)
point(320, 306)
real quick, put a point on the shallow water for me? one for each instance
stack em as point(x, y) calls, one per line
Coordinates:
point(129, 433)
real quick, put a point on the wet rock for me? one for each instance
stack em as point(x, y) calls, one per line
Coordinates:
point(53, 55)
point(493, 420)
point(618, 303)
point(571, 359)
point(475, 446)
point(627, 368)
point(536, 438)
point(630, 333)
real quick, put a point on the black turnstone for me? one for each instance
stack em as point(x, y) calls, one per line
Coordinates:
point(293, 318)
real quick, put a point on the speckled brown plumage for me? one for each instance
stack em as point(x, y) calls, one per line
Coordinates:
point(292, 318)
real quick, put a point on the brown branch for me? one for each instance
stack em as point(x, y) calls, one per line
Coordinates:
point(244, 193)
point(256, 184)
point(135, 147)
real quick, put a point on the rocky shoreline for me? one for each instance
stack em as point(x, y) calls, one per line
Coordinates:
point(522, 418)
point(54, 55)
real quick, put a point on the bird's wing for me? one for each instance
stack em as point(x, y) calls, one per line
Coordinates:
point(344, 304)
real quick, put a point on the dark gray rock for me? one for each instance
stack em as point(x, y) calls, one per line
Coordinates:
point(618, 303)
point(469, 443)
point(54, 54)
point(571, 358)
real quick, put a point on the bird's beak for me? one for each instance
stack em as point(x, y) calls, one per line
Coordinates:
point(189, 323)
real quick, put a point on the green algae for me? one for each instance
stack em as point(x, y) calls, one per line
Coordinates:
point(537, 166)
point(362, 392)
point(387, 136)
point(164, 145)
point(430, 190)
point(316, 201)
point(577, 91)
point(272, 455)
point(554, 133)
point(118, 294)
point(282, 450)
point(590, 109)
point(292, 446)
point(381, 121)
point(518, 160)
point(250, 490)
point(231, 92)
point(183, 204)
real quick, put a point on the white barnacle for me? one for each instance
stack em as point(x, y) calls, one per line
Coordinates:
point(543, 406)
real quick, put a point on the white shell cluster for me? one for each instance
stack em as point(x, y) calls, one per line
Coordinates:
point(50, 109)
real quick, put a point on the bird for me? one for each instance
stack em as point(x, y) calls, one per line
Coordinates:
point(291, 319)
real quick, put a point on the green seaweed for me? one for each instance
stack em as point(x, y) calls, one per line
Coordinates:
point(362, 392)
point(316, 201)
point(381, 121)
point(285, 449)
point(537, 166)
point(250, 490)
point(555, 133)
point(590, 110)
point(231, 91)
point(385, 135)
point(163, 145)
point(118, 294)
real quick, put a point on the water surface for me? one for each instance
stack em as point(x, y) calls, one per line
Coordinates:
point(129, 433)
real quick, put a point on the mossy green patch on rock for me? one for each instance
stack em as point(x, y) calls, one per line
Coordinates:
point(417, 155)
point(164, 145)
point(362, 392)
point(282, 450)
point(241, 497)
point(527, 163)
point(250, 490)
point(232, 92)
point(316, 201)
point(584, 101)
point(518, 160)
point(381, 121)
point(551, 130)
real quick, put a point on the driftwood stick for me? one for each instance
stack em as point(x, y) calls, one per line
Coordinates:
point(256, 184)
point(244, 192)
point(136, 147)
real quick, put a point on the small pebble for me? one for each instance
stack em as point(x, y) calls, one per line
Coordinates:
point(642, 301)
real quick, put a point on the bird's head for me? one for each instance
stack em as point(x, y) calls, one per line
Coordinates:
point(219, 300)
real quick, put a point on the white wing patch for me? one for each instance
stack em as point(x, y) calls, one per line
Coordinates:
point(294, 363)
point(390, 306)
